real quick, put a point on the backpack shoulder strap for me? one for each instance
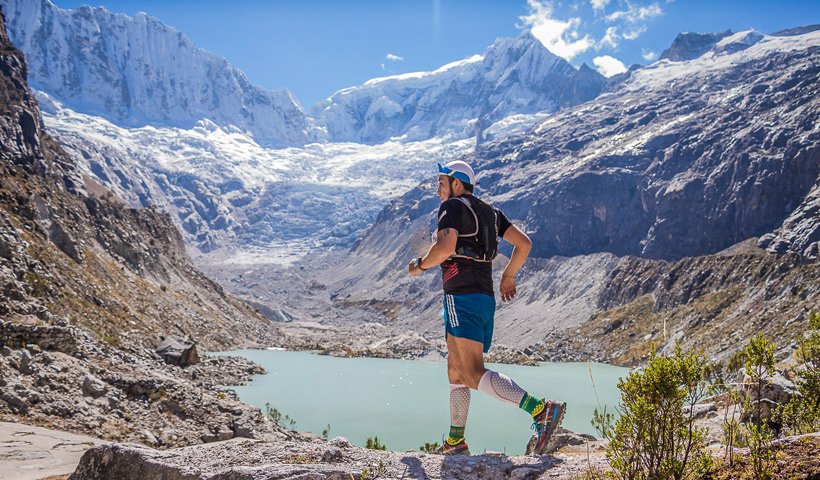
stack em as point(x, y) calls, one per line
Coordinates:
point(467, 204)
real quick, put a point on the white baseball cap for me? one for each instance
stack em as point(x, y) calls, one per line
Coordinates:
point(458, 169)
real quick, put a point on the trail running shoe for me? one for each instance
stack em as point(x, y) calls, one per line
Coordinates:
point(545, 425)
point(460, 448)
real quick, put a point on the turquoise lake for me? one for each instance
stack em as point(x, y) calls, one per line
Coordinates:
point(406, 403)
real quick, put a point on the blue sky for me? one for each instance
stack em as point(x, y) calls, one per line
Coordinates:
point(315, 47)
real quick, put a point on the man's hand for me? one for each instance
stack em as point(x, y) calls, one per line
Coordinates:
point(412, 269)
point(507, 288)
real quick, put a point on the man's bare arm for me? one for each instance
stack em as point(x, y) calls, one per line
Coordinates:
point(440, 251)
point(521, 250)
point(522, 246)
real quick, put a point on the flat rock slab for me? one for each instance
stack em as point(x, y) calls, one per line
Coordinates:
point(31, 453)
point(244, 459)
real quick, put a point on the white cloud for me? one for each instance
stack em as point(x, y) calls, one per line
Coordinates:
point(393, 58)
point(648, 55)
point(608, 66)
point(561, 37)
point(636, 13)
point(599, 5)
point(611, 38)
point(633, 34)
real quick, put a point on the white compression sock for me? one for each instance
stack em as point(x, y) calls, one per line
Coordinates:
point(459, 404)
point(501, 387)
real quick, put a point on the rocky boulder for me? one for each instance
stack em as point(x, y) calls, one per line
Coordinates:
point(178, 351)
point(776, 391)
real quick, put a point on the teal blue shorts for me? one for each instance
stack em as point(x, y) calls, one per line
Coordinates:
point(470, 315)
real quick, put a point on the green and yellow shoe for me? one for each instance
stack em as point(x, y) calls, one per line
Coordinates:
point(458, 448)
point(545, 424)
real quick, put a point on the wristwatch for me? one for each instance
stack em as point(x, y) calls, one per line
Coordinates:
point(418, 264)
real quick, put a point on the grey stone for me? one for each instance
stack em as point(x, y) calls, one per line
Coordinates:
point(178, 351)
point(341, 442)
point(777, 389)
point(522, 473)
point(149, 437)
point(702, 410)
point(243, 429)
point(565, 438)
point(25, 363)
point(332, 454)
point(17, 403)
point(93, 386)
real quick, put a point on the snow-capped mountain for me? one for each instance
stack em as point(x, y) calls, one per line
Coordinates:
point(688, 162)
point(137, 71)
point(156, 120)
point(687, 158)
point(226, 190)
point(514, 76)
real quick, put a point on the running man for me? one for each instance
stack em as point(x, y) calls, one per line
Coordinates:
point(466, 242)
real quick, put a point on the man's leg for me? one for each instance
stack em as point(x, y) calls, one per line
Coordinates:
point(459, 405)
point(466, 357)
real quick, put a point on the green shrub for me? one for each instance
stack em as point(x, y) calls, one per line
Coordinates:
point(278, 418)
point(655, 436)
point(802, 413)
point(429, 447)
point(374, 444)
point(732, 436)
point(759, 368)
point(371, 473)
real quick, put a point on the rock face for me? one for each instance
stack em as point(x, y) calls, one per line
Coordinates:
point(800, 232)
point(121, 396)
point(463, 98)
point(302, 457)
point(137, 71)
point(70, 256)
point(713, 302)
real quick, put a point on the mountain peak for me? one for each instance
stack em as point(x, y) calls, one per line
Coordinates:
point(691, 45)
point(517, 47)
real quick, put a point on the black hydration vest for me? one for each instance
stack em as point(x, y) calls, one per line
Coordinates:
point(482, 244)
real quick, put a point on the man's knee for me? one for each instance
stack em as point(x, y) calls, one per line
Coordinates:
point(472, 376)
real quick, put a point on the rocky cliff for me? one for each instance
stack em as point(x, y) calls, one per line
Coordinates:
point(88, 288)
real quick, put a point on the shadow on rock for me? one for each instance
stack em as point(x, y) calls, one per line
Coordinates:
point(491, 467)
point(414, 468)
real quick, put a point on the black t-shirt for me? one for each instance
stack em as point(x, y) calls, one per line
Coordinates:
point(462, 275)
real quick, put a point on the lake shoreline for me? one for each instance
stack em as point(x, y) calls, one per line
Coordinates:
point(376, 340)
